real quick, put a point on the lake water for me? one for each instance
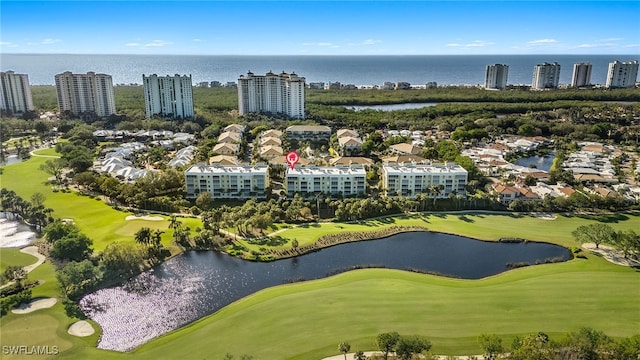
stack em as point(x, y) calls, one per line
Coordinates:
point(541, 162)
point(196, 284)
point(391, 107)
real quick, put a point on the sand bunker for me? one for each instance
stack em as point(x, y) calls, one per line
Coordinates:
point(611, 254)
point(146, 217)
point(81, 328)
point(544, 216)
point(34, 305)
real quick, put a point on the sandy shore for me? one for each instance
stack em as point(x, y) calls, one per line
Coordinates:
point(146, 217)
point(34, 305)
point(81, 328)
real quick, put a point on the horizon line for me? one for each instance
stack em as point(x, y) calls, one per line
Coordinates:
point(506, 54)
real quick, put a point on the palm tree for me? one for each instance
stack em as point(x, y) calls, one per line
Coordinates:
point(143, 236)
point(344, 348)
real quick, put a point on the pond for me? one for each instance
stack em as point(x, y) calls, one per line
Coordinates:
point(543, 162)
point(391, 107)
point(195, 284)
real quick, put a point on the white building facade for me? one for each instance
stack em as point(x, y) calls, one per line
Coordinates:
point(581, 75)
point(168, 96)
point(339, 180)
point(271, 93)
point(15, 93)
point(496, 76)
point(546, 76)
point(85, 93)
point(227, 182)
point(411, 180)
point(622, 74)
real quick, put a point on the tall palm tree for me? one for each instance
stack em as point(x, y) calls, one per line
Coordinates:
point(143, 236)
point(344, 348)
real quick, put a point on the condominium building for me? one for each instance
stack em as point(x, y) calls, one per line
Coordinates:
point(271, 93)
point(622, 74)
point(308, 132)
point(15, 93)
point(546, 76)
point(339, 180)
point(581, 75)
point(496, 76)
point(85, 94)
point(411, 180)
point(225, 182)
point(168, 96)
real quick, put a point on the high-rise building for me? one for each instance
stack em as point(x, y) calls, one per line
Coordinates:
point(546, 76)
point(168, 96)
point(86, 94)
point(15, 93)
point(496, 76)
point(581, 75)
point(622, 74)
point(271, 93)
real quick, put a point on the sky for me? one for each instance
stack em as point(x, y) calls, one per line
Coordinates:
point(320, 27)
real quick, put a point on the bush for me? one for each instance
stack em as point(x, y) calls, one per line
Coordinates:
point(10, 302)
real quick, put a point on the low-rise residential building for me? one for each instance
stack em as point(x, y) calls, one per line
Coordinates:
point(404, 159)
point(411, 180)
point(223, 160)
point(272, 133)
point(270, 151)
point(270, 141)
point(507, 194)
point(308, 133)
point(349, 145)
point(229, 137)
point(349, 161)
point(237, 128)
point(339, 180)
point(240, 182)
point(226, 149)
point(405, 149)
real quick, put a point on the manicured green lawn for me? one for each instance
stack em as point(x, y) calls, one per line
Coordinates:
point(478, 226)
point(99, 221)
point(13, 257)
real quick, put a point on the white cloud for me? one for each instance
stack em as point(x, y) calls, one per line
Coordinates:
point(371, 42)
point(631, 45)
point(608, 40)
point(50, 41)
point(476, 43)
point(154, 43)
point(541, 42)
point(318, 44)
point(197, 40)
point(5, 43)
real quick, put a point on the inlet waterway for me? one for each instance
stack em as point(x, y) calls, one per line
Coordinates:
point(196, 284)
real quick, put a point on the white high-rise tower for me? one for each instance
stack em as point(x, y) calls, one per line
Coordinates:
point(622, 74)
point(546, 76)
point(271, 93)
point(496, 76)
point(168, 96)
point(581, 75)
point(88, 93)
point(15, 93)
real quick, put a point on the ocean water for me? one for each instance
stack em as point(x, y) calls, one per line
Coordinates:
point(358, 70)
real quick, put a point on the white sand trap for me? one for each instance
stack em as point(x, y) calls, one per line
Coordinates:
point(146, 217)
point(544, 216)
point(34, 305)
point(81, 328)
point(611, 254)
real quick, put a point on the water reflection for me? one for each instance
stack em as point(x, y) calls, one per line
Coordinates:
point(196, 284)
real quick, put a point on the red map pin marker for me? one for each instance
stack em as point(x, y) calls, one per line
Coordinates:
point(292, 158)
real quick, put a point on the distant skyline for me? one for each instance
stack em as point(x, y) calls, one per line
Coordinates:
point(320, 27)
